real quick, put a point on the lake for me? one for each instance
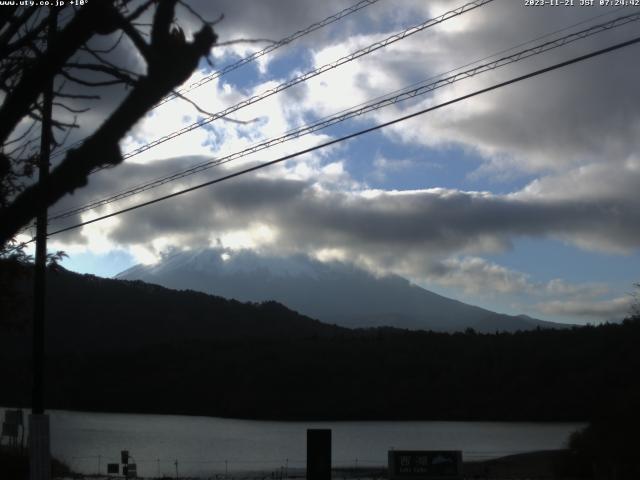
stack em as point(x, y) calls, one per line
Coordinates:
point(206, 445)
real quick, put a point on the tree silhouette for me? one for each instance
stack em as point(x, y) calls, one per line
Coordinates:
point(83, 70)
point(635, 305)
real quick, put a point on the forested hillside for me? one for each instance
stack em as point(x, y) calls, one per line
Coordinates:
point(130, 346)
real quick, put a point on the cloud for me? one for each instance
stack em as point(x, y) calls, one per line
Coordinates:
point(272, 20)
point(576, 115)
point(560, 287)
point(477, 275)
point(387, 226)
point(431, 235)
point(573, 130)
point(613, 309)
point(382, 166)
point(520, 128)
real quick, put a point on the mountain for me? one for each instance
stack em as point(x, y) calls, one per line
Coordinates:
point(335, 292)
point(129, 346)
point(89, 313)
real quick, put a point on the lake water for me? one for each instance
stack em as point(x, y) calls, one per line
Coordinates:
point(205, 446)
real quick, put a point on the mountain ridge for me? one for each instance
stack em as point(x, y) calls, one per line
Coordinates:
point(89, 313)
point(332, 292)
point(128, 346)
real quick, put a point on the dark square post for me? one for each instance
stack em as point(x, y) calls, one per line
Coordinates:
point(318, 454)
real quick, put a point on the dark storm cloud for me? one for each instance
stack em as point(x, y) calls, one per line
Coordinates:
point(610, 310)
point(113, 49)
point(249, 20)
point(585, 112)
point(380, 225)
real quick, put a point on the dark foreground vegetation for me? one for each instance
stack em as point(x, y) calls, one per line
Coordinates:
point(608, 447)
point(538, 376)
point(130, 346)
point(133, 347)
point(14, 465)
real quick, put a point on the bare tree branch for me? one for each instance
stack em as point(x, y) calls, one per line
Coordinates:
point(111, 48)
point(15, 23)
point(21, 42)
point(70, 109)
point(189, 9)
point(89, 83)
point(24, 135)
point(77, 32)
point(118, 73)
point(6, 14)
point(137, 40)
point(170, 61)
point(245, 40)
point(209, 114)
point(77, 96)
point(140, 10)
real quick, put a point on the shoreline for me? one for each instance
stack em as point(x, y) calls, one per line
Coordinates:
point(539, 464)
point(319, 419)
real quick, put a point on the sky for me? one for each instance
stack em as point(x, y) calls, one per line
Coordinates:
point(522, 200)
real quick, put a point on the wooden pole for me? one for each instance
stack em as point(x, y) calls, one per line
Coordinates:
point(39, 438)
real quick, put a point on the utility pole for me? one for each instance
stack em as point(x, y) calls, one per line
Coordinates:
point(39, 437)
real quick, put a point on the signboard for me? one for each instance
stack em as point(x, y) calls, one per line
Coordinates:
point(14, 417)
point(129, 471)
point(113, 468)
point(318, 454)
point(124, 457)
point(425, 464)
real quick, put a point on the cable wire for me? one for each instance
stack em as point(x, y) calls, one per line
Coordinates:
point(254, 56)
point(355, 134)
point(308, 75)
point(302, 78)
point(358, 111)
point(214, 162)
point(250, 58)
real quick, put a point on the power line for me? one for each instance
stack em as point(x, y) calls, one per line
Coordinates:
point(254, 56)
point(310, 74)
point(142, 187)
point(358, 133)
point(302, 78)
point(359, 110)
point(306, 76)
